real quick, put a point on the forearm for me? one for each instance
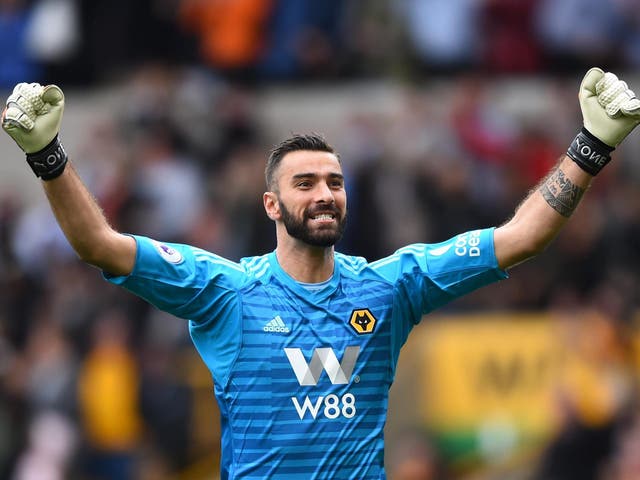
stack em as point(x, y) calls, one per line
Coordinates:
point(541, 216)
point(32, 117)
point(85, 226)
point(610, 111)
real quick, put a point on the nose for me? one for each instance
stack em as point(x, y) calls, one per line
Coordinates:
point(324, 194)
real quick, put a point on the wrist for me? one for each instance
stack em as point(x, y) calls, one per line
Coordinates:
point(589, 152)
point(48, 163)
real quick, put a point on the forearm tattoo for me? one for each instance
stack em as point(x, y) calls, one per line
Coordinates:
point(560, 193)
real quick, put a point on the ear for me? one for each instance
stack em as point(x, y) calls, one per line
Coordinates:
point(271, 205)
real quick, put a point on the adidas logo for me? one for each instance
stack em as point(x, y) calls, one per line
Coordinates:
point(276, 325)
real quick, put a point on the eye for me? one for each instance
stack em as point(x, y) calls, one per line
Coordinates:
point(337, 184)
point(304, 184)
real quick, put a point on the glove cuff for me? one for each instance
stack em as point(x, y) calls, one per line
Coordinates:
point(589, 152)
point(49, 162)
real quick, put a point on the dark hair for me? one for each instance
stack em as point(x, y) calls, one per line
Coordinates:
point(312, 141)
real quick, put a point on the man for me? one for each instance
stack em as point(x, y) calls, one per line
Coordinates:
point(303, 342)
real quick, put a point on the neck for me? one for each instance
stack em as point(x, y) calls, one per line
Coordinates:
point(305, 263)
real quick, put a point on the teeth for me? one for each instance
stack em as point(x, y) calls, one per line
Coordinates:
point(324, 216)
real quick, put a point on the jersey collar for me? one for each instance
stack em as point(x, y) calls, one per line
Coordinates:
point(301, 291)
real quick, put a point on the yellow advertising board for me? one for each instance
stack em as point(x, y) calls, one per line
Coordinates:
point(489, 367)
point(506, 381)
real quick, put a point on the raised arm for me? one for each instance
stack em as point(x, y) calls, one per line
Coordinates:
point(610, 111)
point(32, 118)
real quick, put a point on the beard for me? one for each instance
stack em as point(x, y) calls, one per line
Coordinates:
point(324, 236)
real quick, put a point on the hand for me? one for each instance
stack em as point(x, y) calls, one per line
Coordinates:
point(610, 110)
point(32, 118)
point(33, 115)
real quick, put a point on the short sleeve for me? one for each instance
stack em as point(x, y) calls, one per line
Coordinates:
point(427, 276)
point(185, 281)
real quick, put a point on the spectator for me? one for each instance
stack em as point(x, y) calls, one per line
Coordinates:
point(231, 32)
point(109, 401)
point(445, 35)
point(580, 33)
point(16, 63)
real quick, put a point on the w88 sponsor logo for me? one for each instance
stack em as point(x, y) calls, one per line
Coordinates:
point(334, 406)
point(339, 372)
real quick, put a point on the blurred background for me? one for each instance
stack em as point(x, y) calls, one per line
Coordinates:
point(446, 113)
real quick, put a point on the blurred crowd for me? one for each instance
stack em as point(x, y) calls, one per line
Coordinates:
point(297, 40)
point(94, 383)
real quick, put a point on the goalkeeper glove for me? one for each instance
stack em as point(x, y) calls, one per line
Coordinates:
point(610, 111)
point(32, 118)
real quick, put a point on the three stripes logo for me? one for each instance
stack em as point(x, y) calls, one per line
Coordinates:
point(276, 325)
point(339, 372)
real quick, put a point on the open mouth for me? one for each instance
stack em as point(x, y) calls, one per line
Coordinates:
point(323, 217)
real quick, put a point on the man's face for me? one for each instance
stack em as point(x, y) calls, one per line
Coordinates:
point(312, 198)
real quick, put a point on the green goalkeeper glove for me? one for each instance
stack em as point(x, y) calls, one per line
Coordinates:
point(610, 111)
point(32, 117)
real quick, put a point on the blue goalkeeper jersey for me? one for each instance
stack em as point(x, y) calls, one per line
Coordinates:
point(302, 376)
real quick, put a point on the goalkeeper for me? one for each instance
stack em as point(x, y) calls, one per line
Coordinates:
point(303, 342)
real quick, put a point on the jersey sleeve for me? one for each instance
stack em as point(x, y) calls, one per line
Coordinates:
point(459, 266)
point(187, 282)
point(428, 276)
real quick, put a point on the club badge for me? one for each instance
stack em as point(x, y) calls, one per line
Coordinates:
point(362, 321)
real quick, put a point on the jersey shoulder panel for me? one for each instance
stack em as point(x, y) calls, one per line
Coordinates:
point(257, 268)
point(351, 265)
